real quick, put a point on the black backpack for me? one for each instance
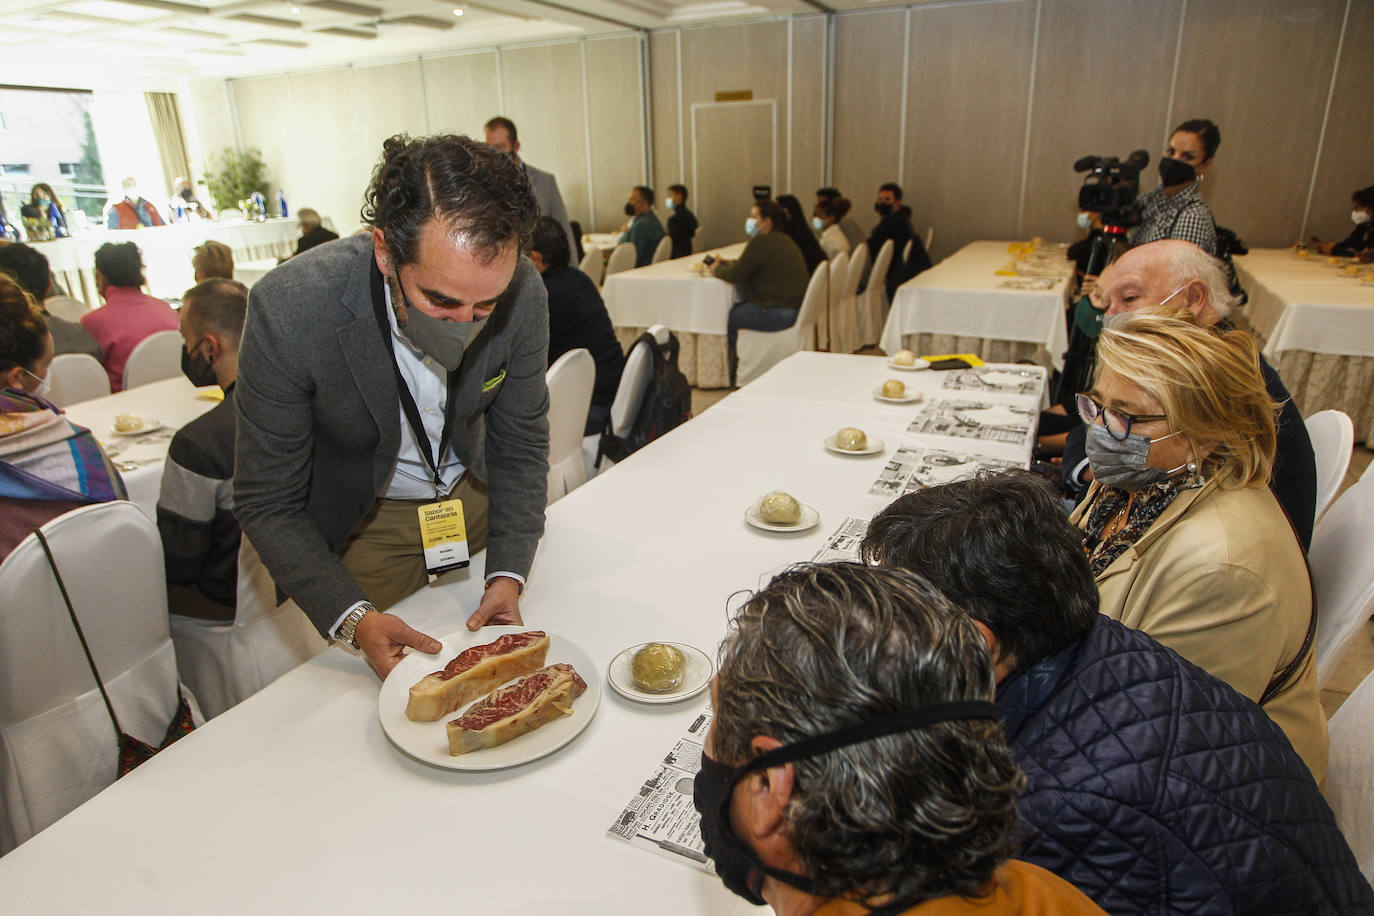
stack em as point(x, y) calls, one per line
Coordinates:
point(667, 403)
point(1228, 245)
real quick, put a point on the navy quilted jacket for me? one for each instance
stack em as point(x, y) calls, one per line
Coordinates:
point(1156, 788)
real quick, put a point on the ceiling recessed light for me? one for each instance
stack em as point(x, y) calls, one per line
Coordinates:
point(458, 12)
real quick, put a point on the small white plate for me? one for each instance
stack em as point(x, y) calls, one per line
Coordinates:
point(919, 364)
point(150, 425)
point(695, 679)
point(908, 398)
point(428, 741)
point(810, 518)
point(874, 447)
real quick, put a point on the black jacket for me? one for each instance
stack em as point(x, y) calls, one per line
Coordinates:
point(578, 318)
point(682, 225)
point(1355, 242)
point(317, 236)
point(897, 227)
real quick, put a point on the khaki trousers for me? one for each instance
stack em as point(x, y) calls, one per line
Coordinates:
point(383, 553)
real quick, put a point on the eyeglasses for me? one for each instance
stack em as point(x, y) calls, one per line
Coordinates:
point(1118, 422)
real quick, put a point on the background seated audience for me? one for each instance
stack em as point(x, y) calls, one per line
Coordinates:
point(1360, 241)
point(48, 465)
point(195, 509)
point(827, 222)
point(682, 225)
point(848, 225)
point(577, 317)
point(1150, 784)
point(1185, 538)
point(894, 224)
point(213, 260)
point(643, 231)
point(313, 231)
point(128, 315)
point(29, 268)
point(796, 225)
point(855, 764)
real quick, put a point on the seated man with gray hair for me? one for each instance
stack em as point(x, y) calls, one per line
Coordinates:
point(312, 230)
point(855, 764)
point(1183, 274)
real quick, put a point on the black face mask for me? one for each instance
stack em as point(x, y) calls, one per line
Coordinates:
point(200, 374)
point(1175, 171)
point(883, 209)
point(736, 863)
point(629, 209)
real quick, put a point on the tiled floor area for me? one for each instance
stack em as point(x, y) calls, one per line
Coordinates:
point(1356, 665)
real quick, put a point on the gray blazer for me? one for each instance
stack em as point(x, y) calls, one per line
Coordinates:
point(319, 421)
point(550, 201)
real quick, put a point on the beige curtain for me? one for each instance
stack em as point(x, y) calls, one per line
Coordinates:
point(171, 140)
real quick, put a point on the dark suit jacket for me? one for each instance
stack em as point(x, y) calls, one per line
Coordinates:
point(319, 421)
point(317, 236)
point(897, 227)
point(682, 225)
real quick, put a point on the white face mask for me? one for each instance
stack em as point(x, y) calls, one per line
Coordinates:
point(1085, 221)
point(44, 386)
point(669, 203)
point(131, 193)
point(816, 221)
point(1359, 217)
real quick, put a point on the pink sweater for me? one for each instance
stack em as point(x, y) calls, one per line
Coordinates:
point(127, 317)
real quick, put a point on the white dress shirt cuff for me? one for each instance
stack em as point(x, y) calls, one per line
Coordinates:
point(508, 575)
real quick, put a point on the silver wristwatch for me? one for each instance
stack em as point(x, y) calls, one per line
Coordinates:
point(347, 630)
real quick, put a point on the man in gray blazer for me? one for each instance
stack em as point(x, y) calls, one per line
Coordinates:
point(365, 358)
point(501, 133)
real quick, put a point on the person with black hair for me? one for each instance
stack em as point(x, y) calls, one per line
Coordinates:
point(391, 371)
point(1176, 209)
point(577, 317)
point(827, 222)
point(796, 226)
point(30, 268)
point(894, 224)
point(1360, 242)
point(128, 315)
point(848, 225)
point(643, 231)
point(682, 225)
point(1150, 784)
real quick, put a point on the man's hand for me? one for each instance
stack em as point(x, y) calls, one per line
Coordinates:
point(382, 637)
point(500, 604)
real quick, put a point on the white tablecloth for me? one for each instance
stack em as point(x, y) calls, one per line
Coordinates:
point(173, 401)
point(669, 293)
point(1305, 304)
point(296, 802)
point(963, 297)
point(606, 241)
point(166, 252)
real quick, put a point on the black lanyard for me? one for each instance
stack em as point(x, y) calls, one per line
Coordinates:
point(408, 405)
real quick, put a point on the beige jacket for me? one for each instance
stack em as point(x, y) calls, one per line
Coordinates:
point(1220, 579)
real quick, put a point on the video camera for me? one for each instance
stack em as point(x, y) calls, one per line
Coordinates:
point(1112, 186)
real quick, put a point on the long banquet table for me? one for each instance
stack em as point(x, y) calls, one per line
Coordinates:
point(173, 401)
point(296, 802)
point(962, 305)
point(694, 306)
point(1318, 328)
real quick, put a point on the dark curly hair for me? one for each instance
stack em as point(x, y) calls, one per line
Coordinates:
point(482, 196)
point(915, 815)
point(22, 327)
point(28, 266)
point(120, 263)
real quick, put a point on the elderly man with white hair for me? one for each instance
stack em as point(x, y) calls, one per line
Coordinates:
point(1184, 275)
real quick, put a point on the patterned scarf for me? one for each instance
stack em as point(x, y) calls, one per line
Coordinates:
point(44, 456)
point(1150, 502)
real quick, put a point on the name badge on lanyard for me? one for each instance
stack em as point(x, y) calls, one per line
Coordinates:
point(444, 536)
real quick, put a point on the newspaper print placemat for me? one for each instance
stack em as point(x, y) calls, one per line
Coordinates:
point(661, 816)
point(843, 544)
point(974, 420)
point(1007, 380)
point(912, 468)
point(1030, 284)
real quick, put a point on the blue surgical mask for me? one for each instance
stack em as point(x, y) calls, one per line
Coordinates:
point(669, 203)
point(1085, 221)
point(816, 221)
point(751, 227)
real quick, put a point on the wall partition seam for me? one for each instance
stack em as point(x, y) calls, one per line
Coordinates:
point(906, 81)
point(790, 190)
point(424, 94)
point(646, 117)
point(828, 106)
point(500, 90)
point(1173, 75)
point(1030, 115)
point(1326, 117)
point(587, 137)
point(681, 126)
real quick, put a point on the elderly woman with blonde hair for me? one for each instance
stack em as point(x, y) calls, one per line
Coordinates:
point(1185, 538)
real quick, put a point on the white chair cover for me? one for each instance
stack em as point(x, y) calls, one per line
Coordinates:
point(1343, 574)
point(1350, 773)
point(872, 306)
point(930, 237)
point(225, 664)
point(77, 377)
point(629, 394)
point(906, 250)
point(760, 351)
point(157, 356)
point(1333, 438)
point(593, 264)
point(622, 258)
point(664, 251)
point(58, 747)
point(839, 271)
point(571, 379)
point(844, 327)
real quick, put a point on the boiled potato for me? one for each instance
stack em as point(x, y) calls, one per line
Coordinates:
point(658, 667)
point(904, 358)
point(851, 439)
point(894, 389)
point(779, 508)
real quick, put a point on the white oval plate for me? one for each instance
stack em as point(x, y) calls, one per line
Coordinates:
point(150, 425)
point(810, 518)
point(428, 741)
point(908, 398)
point(874, 447)
point(695, 679)
point(919, 364)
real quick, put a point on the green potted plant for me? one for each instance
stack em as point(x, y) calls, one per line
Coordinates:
point(234, 176)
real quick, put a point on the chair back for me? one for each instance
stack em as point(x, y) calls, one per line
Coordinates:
point(930, 236)
point(1349, 787)
point(877, 277)
point(622, 258)
point(858, 266)
point(664, 251)
point(813, 308)
point(571, 379)
point(906, 250)
point(77, 377)
point(57, 744)
point(839, 271)
point(1333, 439)
point(1344, 577)
point(157, 356)
point(593, 264)
point(634, 381)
